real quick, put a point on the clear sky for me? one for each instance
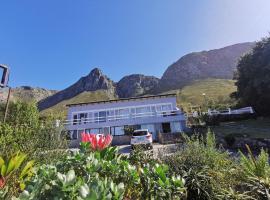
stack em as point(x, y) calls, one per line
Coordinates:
point(52, 43)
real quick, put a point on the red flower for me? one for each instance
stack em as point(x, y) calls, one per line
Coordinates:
point(97, 141)
point(2, 182)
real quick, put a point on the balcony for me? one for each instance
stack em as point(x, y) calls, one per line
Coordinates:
point(130, 118)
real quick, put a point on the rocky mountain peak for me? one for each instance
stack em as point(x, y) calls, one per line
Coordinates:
point(95, 80)
point(217, 63)
point(136, 85)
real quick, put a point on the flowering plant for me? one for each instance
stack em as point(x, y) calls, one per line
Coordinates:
point(97, 141)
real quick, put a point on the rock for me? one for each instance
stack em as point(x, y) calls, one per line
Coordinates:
point(136, 85)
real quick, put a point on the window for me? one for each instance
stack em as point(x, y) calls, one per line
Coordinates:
point(88, 131)
point(140, 133)
point(105, 130)
point(149, 127)
point(75, 119)
point(75, 135)
point(96, 117)
point(119, 130)
point(143, 109)
point(162, 109)
point(176, 127)
point(110, 115)
point(82, 117)
point(94, 131)
point(121, 113)
point(102, 116)
point(167, 107)
point(153, 109)
point(90, 118)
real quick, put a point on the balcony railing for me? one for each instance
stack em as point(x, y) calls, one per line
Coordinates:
point(122, 117)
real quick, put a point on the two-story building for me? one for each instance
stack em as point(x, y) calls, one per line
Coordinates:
point(158, 114)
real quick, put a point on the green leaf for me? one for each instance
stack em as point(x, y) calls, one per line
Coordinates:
point(19, 159)
point(27, 169)
point(84, 191)
point(11, 166)
point(3, 170)
point(70, 177)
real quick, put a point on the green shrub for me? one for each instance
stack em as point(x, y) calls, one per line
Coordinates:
point(24, 131)
point(206, 169)
point(256, 171)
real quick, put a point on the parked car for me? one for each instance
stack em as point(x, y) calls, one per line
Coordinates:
point(142, 138)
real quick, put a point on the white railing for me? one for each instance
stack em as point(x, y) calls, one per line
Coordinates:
point(229, 111)
point(121, 117)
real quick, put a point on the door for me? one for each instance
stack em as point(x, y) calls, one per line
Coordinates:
point(166, 128)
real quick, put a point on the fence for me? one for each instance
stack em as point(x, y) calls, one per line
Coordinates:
point(229, 111)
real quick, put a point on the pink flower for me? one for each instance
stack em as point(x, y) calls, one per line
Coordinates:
point(2, 182)
point(97, 141)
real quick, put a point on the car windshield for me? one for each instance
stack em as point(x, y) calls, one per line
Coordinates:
point(140, 133)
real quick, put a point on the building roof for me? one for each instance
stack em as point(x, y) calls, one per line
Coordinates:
point(124, 99)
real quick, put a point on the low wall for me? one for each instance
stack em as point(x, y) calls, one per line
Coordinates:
point(121, 140)
point(74, 143)
point(169, 138)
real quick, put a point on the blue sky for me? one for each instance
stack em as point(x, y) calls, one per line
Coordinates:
point(52, 43)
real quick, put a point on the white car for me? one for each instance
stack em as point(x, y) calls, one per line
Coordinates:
point(143, 138)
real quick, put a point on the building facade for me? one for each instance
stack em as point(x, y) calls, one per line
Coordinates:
point(158, 114)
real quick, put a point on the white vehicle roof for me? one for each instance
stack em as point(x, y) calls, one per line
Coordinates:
point(139, 130)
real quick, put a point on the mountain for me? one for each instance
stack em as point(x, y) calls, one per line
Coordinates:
point(25, 93)
point(214, 64)
point(136, 85)
point(218, 63)
point(94, 81)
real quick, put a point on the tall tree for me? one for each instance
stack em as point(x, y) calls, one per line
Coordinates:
point(253, 78)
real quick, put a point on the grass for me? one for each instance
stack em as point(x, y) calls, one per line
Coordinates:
point(252, 128)
point(217, 92)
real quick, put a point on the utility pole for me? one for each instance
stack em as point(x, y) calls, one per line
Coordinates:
point(7, 104)
point(3, 84)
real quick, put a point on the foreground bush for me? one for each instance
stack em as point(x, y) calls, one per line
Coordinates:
point(103, 175)
point(207, 170)
point(13, 174)
point(25, 131)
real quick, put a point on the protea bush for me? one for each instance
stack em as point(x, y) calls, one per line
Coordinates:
point(96, 141)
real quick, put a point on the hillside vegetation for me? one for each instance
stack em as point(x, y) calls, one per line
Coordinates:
point(217, 93)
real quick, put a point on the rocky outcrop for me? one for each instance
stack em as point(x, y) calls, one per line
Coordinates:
point(136, 85)
point(218, 63)
point(95, 80)
point(26, 93)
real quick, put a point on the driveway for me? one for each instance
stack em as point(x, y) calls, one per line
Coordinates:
point(157, 148)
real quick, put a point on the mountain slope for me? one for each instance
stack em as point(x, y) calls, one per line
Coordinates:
point(218, 63)
point(217, 92)
point(98, 95)
point(94, 81)
point(136, 85)
point(25, 93)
